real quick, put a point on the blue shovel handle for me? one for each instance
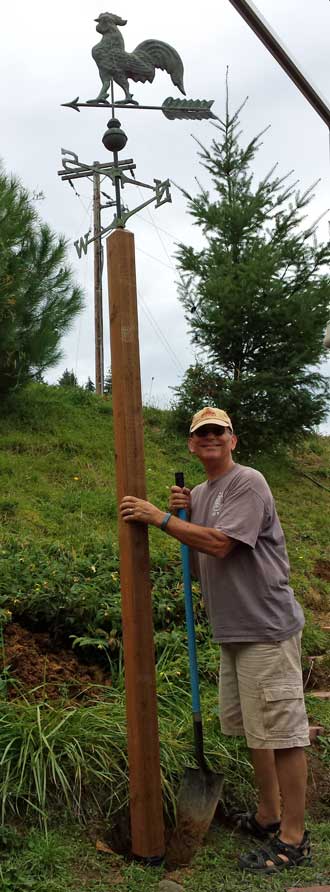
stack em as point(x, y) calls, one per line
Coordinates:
point(188, 601)
point(190, 623)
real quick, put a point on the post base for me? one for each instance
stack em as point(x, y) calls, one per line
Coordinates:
point(153, 861)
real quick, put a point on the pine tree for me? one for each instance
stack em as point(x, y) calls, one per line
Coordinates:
point(38, 299)
point(108, 382)
point(90, 386)
point(256, 298)
point(68, 379)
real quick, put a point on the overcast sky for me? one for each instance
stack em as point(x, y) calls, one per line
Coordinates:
point(45, 60)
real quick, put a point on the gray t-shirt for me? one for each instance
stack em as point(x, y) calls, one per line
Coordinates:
point(247, 594)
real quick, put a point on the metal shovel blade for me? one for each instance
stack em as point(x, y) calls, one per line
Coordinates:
point(198, 798)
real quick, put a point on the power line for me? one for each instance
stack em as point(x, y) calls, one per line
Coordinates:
point(165, 231)
point(159, 236)
point(80, 315)
point(152, 257)
point(160, 334)
point(177, 272)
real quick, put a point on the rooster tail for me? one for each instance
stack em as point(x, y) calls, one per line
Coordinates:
point(163, 56)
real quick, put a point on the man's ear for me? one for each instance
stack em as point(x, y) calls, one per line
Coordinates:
point(234, 442)
point(191, 445)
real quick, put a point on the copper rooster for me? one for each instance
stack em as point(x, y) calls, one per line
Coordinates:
point(114, 63)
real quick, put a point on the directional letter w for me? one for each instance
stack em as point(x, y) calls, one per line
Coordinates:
point(81, 244)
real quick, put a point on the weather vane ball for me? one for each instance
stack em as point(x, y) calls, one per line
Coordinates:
point(114, 63)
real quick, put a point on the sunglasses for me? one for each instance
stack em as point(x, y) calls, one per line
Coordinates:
point(215, 429)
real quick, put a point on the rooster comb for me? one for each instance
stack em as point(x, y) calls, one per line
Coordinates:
point(114, 18)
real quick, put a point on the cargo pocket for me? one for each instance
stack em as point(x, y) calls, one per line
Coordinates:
point(284, 709)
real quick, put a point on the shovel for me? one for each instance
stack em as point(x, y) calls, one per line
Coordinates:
point(200, 788)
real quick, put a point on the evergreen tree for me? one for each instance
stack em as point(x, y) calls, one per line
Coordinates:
point(108, 382)
point(256, 298)
point(68, 379)
point(38, 299)
point(90, 386)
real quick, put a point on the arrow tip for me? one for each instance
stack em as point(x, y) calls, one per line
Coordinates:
point(73, 104)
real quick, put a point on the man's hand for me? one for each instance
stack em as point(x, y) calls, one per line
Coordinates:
point(180, 498)
point(204, 539)
point(135, 510)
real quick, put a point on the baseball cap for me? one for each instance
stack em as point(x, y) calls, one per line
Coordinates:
point(209, 415)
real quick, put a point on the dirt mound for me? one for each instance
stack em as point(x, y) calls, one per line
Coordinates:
point(34, 663)
point(318, 787)
point(322, 569)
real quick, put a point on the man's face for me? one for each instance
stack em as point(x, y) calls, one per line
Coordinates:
point(212, 443)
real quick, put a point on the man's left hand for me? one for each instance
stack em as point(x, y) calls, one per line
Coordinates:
point(135, 510)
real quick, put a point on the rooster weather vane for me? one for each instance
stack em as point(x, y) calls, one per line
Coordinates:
point(115, 65)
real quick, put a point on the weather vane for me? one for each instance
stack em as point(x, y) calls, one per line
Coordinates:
point(117, 66)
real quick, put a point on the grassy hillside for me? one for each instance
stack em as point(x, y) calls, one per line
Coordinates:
point(59, 589)
point(58, 505)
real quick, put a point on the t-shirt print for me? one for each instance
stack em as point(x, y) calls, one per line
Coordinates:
point(217, 505)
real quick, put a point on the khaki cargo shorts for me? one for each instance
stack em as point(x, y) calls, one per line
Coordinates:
point(261, 694)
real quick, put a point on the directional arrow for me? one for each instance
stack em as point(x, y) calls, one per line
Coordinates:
point(173, 109)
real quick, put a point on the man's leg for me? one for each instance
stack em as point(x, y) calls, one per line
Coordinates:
point(269, 803)
point(291, 768)
point(282, 770)
point(291, 845)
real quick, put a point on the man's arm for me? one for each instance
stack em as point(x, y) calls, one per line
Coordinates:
point(205, 539)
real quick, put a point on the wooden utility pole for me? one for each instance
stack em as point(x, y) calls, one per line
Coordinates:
point(147, 825)
point(98, 310)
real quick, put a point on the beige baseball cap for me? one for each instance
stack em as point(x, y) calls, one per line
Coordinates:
point(209, 415)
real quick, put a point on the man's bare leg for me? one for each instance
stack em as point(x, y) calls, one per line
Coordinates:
point(291, 775)
point(291, 768)
point(266, 778)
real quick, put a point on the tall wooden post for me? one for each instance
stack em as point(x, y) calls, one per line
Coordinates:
point(98, 311)
point(141, 705)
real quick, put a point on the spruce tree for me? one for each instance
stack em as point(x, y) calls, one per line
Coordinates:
point(256, 298)
point(108, 382)
point(38, 298)
point(68, 379)
point(90, 386)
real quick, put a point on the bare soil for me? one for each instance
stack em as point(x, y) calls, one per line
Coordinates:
point(322, 569)
point(318, 788)
point(35, 664)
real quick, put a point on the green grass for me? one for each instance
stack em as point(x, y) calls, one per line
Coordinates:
point(58, 545)
point(59, 570)
point(67, 861)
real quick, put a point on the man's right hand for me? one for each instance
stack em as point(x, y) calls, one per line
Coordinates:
point(180, 498)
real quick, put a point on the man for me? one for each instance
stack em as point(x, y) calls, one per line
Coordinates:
point(241, 561)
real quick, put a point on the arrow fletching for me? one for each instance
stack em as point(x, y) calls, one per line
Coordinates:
point(189, 109)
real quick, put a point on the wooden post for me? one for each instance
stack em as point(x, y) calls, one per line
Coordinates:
point(98, 311)
point(141, 704)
